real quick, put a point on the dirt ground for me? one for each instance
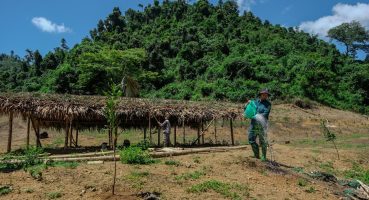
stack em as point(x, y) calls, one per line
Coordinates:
point(296, 141)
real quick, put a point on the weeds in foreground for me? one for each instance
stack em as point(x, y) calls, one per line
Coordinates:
point(172, 163)
point(190, 175)
point(137, 178)
point(135, 155)
point(54, 195)
point(302, 182)
point(358, 172)
point(233, 191)
point(5, 190)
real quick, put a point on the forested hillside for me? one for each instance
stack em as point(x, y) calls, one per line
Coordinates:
point(195, 51)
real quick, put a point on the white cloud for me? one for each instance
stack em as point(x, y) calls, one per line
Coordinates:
point(48, 26)
point(247, 4)
point(342, 13)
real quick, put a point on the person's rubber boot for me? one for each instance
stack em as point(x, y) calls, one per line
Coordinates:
point(255, 149)
point(263, 152)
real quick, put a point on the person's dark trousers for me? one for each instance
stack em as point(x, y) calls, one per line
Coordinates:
point(166, 139)
point(256, 130)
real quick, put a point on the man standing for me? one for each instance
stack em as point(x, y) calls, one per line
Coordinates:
point(166, 126)
point(263, 107)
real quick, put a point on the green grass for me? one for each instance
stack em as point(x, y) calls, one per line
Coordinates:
point(358, 172)
point(137, 178)
point(233, 191)
point(311, 189)
point(5, 190)
point(327, 167)
point(302, 182)
point(172, 163)
point(190, 175)
point(36, 171)
point(54, 195)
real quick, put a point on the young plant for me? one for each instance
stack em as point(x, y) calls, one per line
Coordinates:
point(329, 136)
point(111, 115)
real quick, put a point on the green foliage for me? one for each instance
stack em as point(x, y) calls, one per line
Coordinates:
point(358, 172)
point(135, 155)
point(190, 176)
point(36, 171)
point(232, 191)
point(54, 195)
point(172, 162)
point(302, 182)
point(353, 35)
point(5, 190)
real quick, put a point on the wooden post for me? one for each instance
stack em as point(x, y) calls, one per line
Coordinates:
point(66, 134)
point(37, 131)
point(198, 134)
point(215, 131)
point(231, 125)
point(150, 132)
point(36, 128)
point(10, 132)
point(144, 133)
point(70, 133)
point(77, 132)
point(159, 132)
point(28, 131)
point(202, 135)
point(184, 132)
point(175, 135)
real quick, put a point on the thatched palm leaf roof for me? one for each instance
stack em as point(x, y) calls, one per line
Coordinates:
point(56, 110)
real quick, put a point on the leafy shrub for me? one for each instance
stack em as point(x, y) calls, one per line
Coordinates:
point(357, 172)
point(135, 155)
point(54, 195)
point(172, 162)
point(5, 190)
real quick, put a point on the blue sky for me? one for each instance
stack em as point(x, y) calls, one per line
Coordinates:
point(40, 24)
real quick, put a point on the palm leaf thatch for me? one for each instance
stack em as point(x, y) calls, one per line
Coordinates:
point(52, 110)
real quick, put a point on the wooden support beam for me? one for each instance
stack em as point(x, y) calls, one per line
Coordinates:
point(159, 133)
point(202, 130)
point(232, 136)
point(198, 134)
point(9, 149)
point(215, 131)
point(144, 133)
point(70, 133)
point(77, 133)
point(66, 135)
point(175, 135)
point(28, 131)
point(150, 131)
point(184, 131)
point(36, 128)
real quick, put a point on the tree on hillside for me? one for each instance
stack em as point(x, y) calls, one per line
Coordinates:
point(353, 35)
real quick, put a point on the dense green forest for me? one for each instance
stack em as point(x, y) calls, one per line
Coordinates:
point(195, 51)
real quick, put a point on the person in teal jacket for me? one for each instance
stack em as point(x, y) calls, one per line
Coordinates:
point(256, 130)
